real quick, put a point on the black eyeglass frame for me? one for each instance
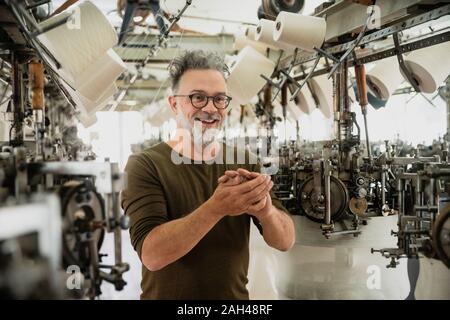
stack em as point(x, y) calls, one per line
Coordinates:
point(207, 99)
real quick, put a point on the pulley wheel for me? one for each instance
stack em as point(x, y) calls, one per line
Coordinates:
point(313, 204)
point(81, 206)
point(272, 8)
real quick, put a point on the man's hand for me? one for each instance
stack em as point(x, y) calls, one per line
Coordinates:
point(235, 196)
point(278, 227)
point(261, 208)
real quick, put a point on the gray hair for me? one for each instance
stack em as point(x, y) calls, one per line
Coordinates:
point(195, 60)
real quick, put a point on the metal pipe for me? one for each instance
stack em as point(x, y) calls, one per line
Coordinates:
point(400, 191)
point(17, 95)
point(336, 106)
point(342, 106)
point(419, 200)
point(406, 160)
point(345, 232)
point(327, 194)
point(431, 208)
point(383, 186)
point(117, 229)
point(93, 267)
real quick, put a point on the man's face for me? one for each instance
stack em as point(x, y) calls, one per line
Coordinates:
point(204, 124)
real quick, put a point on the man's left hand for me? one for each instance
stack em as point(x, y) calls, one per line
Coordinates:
point(260, 209)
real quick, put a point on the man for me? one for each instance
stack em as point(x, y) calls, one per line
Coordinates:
point(189, 210)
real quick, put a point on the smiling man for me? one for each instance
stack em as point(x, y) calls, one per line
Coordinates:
point(190, 219)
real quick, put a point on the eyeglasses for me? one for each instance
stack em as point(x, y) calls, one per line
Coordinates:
point(199, 100)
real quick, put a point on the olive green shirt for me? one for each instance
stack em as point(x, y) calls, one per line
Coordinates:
point(158, 191)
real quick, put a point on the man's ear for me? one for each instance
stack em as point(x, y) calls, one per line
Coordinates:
point(173, 104)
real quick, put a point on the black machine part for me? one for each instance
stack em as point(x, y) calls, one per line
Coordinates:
point(269, 9)
point(83, 213)
point(312, 203)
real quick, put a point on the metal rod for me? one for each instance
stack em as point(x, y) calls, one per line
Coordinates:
point(327, 193)
point(50, 26)
point(412, 81)
point(383, 186)
point(431, 208)
point(400, 187)
point(336, 233)
point(299, 87)
point(353, 46)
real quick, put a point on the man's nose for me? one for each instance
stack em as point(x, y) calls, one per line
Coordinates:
point(210, 108)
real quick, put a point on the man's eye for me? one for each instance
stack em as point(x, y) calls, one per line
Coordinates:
point(198, 97)
point(220, 99)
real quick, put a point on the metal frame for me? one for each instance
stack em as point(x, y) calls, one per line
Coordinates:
point(386, 53)
point(108, 181)
point(382, 33)
point(39, 48)
point(108, 178)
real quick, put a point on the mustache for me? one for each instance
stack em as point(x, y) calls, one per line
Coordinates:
point(207, 116)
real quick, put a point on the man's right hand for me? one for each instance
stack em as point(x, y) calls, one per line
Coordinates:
point(235, 199)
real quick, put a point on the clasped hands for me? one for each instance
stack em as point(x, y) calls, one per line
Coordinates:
point(242, 191)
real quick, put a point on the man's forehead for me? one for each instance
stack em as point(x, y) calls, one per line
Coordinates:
point(205, 80)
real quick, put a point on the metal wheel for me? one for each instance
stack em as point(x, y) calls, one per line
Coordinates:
point(312, 203)
point(81, 208)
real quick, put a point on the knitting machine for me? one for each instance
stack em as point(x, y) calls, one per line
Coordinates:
point(41, 156)
point(341, 184)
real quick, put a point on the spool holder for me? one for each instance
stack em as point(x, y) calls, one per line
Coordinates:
point(285, 76)
point(385, 32)
point(268, 80)
point(20, 15)
point(300, 86)
point(401, 63)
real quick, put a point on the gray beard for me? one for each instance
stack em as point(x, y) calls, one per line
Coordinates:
point(201, 139)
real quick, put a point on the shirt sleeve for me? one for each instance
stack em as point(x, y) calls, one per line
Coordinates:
point(143, 200)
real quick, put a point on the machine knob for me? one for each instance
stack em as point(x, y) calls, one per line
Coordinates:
point(124, 222)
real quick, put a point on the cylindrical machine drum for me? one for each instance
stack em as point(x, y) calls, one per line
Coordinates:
point(312, 201)
point(434, 280)
point(81, 207)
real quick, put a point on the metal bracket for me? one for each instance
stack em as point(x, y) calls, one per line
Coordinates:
point(407, 47)
point(401, 62)
point(355, 43)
